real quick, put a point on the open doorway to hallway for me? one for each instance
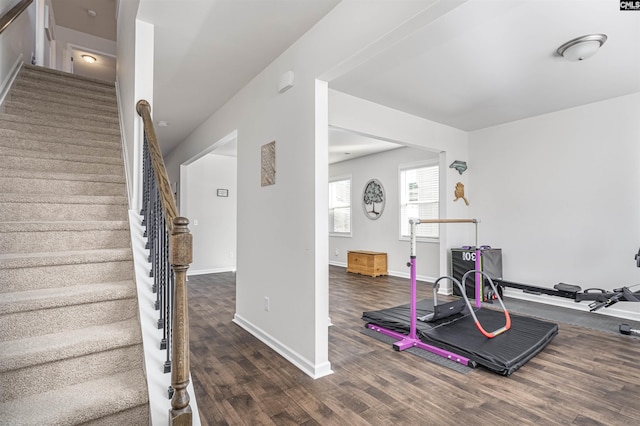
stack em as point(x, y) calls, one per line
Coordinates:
point(208, 197)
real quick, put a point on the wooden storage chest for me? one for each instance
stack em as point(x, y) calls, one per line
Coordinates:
point(370, 263)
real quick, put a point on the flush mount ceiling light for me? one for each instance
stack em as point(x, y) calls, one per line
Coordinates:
point(582, 48)
point(88, 58)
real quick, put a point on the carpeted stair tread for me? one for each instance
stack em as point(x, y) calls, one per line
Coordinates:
point(53, 110)
point(41, 207)
point(13, 161)
point(32, 323)
point(63, 101)
point(37, 160)
point(35, 154)
point(64, 372)
point(61, 89)
point(48, 175)
point(61, 127)
point(59, 183)
point(134, 416)
point(31, 300)
point(21, 353)
point(62, 77)
point(65, 274)
point(67, 199)
point(65, 209)
point(82, 403)
point(29, 237)
point(30, 260)
point(63, 226)
point(48, 112)
point(38, 128)
point(10, 137)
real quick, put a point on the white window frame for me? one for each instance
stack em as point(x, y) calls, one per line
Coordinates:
point(401, 195)
point(341, 179)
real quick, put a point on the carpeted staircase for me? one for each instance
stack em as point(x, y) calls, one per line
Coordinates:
point(70, 341)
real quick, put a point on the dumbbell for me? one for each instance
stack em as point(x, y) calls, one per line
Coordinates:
point(626, 329)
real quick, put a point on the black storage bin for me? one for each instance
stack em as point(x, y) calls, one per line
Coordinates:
point(464, 259)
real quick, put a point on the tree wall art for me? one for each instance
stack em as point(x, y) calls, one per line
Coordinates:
point(373, 199)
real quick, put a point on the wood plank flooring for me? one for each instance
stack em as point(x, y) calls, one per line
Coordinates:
point(583, 377)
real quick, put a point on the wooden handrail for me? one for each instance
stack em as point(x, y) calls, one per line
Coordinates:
point(13, 14)
point(168, 203)
point(180, 257)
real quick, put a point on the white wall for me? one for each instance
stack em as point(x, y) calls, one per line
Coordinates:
point(17, 43)
point(214, 235)
point(125, 70)
point(382, 234)
point(134, 82)
point(65, 35)
point(280, 256)
point(559, 193)
point(68, 39)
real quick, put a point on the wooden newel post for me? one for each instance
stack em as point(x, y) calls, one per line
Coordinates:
point(181, 257)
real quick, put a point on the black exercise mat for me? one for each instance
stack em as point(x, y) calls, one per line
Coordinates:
point(503, 354)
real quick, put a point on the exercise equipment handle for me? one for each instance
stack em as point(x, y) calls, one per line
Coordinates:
point(462, 286)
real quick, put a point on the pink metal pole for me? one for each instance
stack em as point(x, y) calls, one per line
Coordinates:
point(412, 329)
point(478, 278)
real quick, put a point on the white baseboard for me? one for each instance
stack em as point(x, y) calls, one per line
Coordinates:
point(308, 367)
point(211, 271)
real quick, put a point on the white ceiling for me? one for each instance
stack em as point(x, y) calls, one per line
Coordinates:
point(491, 62)
point(220, 48)
point(484, 63)
point(74, 14)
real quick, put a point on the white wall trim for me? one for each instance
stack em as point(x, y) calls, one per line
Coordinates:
point(6, 84)
point(123, 142)
point(210, 271)
point(307, 366)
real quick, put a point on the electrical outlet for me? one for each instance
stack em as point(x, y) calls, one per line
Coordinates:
point(195, 222)
point(266, 304)
point(337, 252)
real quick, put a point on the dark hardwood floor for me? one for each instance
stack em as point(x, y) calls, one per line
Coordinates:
point(583, 377)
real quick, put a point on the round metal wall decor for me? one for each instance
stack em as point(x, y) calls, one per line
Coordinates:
point(373, 199)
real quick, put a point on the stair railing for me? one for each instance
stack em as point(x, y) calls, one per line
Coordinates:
point(170, 254)
point(13, 13)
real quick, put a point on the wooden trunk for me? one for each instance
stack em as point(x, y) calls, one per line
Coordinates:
point(367, 263)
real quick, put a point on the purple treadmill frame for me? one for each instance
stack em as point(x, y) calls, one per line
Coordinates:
point(412, 340)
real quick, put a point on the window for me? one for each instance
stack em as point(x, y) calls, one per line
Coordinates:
point(340, 206)
point(419, 195)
